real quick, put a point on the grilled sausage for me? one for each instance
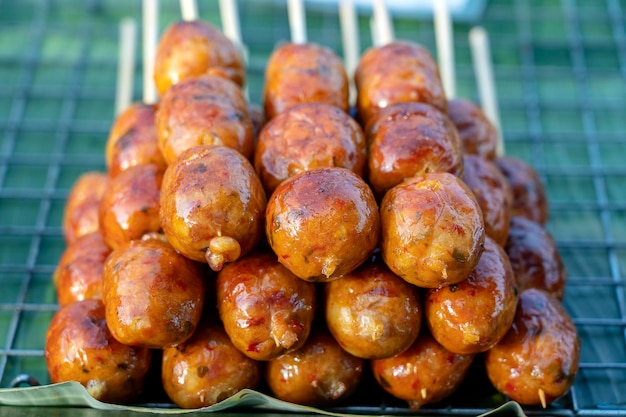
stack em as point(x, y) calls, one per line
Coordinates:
point(432, 230)
point(189, 49)
point(529, 196)
point(424, 373)
point(153, 295)
point(478, 135)
point(535, 258)
point(407, 139)
point(130, 206)
point(537, 360)
point(78, 275)
point(212, 205)
point(372, 312)
point(308, 136)
point(397, 72)
point(206, 110)
point(266, 310)
point(133, 140)
point(79, 347)
point(319, 373)
point(493, 194)
point(474, 314)
point(81, 208)
point(322, 223)
point(304, 73)
point(206, 369)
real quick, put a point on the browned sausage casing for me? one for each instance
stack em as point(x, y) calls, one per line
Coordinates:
point(78, 275)
point(424, 373)
point(153, 295)
point(212, 205)
point(130, 206)
point(191, 48)
point(133, 140)
point(539, 354)
point(206, 110)
point(322, 223)
point(266, 310)
point(535, 258)
point(81, 208)
point(493, 193)
point(308, 136)
point(432, 230)
point(407, 139)
point(529, 196)
point(80, 347)
point(319, 373)
point(478, 135)
point(206, 369)
point(304, 73)
point(473, 315)
point(372, 312)
point(398, 72)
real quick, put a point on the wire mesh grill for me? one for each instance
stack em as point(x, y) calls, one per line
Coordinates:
point(560, 68)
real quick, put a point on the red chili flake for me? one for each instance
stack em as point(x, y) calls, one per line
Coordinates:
point(416, 385)
point(253, 347)
point(454, 227)
point(297, 325)
point(285, 256)
point(472, 292)
point(509, 387)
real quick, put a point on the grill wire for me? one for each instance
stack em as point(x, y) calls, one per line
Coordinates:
point(560, 68)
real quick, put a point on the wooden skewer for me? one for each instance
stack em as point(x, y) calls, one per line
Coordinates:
point(483, 71)
point(445, 46)
point(297, 21)
point(351, 42)
point(189, 10)
point(542, 397)
point(230, 21)
point(150, 40)
point(383, 26)
point(423, 393)
point(126, 65)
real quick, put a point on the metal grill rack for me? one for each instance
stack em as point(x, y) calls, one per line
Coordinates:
point(560, 68)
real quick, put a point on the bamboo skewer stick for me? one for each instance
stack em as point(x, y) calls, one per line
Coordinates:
point(297, 21)
point(189, 10)
point(350, 41)
point(483, 71)
point(445, 46)
point(382, 23)
point(126, 65)
point(149, 41)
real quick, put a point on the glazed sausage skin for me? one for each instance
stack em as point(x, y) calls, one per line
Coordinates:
point(372, 312)
point(78, 275)
point(212, 205)
point(398, 72)
point(529, 195)
point(540, 354)
point(424, 373)
point(206, 369)
point(408, 139)
point(266, 310)
point(304, 73)
point(474, 314)
point(130, 205)
point(189, 49)
point(81, 208)
point(205, 110)
point(307, 136)
point(322, 223)
point(432, 230)
point(80, 347)
point(535, 258)
point(153, 295)
point(478, 135)
point(493, 194)
point(133, 140)
point(319, 373)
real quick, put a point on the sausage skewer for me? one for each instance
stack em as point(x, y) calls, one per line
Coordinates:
point(126, 64)
point(297, 21)
point(445, 48)
point(350, 42)
point(150, 35)
point(189, 10)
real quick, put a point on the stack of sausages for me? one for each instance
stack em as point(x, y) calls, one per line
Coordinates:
point(307, 246)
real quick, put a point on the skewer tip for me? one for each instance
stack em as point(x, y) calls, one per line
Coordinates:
point(542, 397)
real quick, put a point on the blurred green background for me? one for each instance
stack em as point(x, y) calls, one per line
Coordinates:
point(560, 73)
